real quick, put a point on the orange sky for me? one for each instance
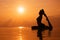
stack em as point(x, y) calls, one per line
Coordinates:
point(8, 9)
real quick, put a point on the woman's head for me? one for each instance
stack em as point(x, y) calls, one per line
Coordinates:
point(41, 12)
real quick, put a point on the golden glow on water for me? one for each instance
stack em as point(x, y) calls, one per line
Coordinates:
point(21, 27)
point(21, 38)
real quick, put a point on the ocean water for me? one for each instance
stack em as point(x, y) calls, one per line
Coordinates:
point(25, 33)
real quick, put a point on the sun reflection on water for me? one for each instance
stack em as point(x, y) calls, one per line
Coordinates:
point(21, 37)
point(21, 27)
point(21, 31)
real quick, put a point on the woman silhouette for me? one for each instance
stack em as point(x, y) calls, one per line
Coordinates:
point(41, 26)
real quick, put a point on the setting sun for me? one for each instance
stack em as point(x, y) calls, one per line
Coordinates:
point(20, 10)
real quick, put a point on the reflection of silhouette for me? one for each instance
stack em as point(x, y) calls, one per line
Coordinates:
point(41, 27)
